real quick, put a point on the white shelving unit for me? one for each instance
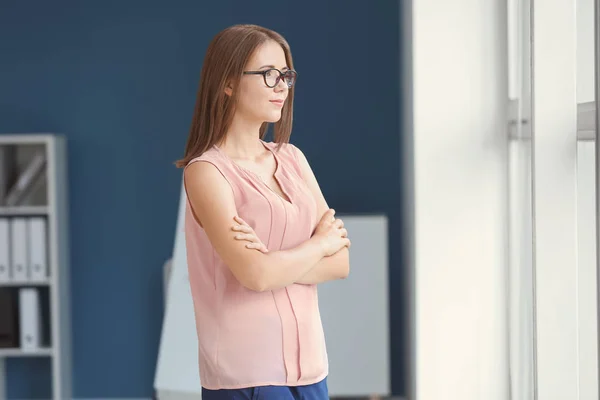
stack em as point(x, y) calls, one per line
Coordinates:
point(53, 206)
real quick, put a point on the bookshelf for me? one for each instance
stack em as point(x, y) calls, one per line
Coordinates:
point(23, 210)
point(33, 186)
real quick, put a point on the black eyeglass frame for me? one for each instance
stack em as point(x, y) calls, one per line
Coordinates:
point(279, 78)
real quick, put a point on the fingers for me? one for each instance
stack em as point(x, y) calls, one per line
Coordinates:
point(242, 228)
point(247, 234)
point(255, 242)
point(249, 237)
point(258, 246)
point(328, 216)
point(239, 220)
point(343, 233)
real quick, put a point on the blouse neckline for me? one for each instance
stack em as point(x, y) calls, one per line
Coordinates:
point(256, 176)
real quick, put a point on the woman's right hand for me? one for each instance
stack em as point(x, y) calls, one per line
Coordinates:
point(331, 233)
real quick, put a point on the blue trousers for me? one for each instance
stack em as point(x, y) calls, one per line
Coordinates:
point(316, 391)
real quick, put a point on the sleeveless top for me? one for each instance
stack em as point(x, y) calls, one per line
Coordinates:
point(248, 338)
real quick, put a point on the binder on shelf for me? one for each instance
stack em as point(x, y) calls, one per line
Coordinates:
point(19, 256)
point(8, 165)
point(27, 180)
point(9, 337)
point(38, 260)
point(37, 193)
point(4, 250)
point(30, 325)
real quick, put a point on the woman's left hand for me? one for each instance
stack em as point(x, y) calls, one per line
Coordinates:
point(245, 232)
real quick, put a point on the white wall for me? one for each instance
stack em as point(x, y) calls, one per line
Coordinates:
point(586, 272)
point(460, 92)
point(585, 51)
point(586, 213)
point(555, 200)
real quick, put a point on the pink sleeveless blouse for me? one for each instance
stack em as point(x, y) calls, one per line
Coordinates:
point(247, 338)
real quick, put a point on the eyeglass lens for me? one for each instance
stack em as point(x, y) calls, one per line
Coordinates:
point(272, 78)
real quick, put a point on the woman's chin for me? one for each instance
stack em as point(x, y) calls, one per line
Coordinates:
point(273, 118)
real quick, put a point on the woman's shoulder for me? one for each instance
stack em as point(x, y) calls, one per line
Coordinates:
point(213, 159)
point(210, 170)
point(209, 155)
point(209, 165)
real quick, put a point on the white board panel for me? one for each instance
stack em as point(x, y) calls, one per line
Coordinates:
point(354, 313)
point(177, 366)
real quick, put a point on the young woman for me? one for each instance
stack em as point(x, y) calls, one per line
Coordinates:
point(259, 233)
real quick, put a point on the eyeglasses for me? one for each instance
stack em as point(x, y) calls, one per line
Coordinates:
point(273, 76)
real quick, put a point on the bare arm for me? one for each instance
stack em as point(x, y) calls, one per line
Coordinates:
point(215, 210)
point(330, 268)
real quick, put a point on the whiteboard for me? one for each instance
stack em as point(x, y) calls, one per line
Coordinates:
point(177, 366)
point(355, 315)
point(354, 312)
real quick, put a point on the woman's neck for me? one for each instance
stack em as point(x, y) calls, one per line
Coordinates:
point(242, 140)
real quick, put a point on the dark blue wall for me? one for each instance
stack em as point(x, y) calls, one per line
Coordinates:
point(119, 79)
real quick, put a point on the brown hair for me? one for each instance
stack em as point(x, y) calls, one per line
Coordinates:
point(224, 62)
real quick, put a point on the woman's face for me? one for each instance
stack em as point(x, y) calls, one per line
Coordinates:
point(257, 101)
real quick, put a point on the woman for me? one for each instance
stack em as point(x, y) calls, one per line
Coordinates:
point(259, 233)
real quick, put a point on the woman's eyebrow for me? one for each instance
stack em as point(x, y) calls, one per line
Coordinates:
point(271, 66)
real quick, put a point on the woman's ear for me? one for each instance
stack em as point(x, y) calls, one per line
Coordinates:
point(228, 89)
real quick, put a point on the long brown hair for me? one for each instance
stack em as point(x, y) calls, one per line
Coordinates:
point(224, 62)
